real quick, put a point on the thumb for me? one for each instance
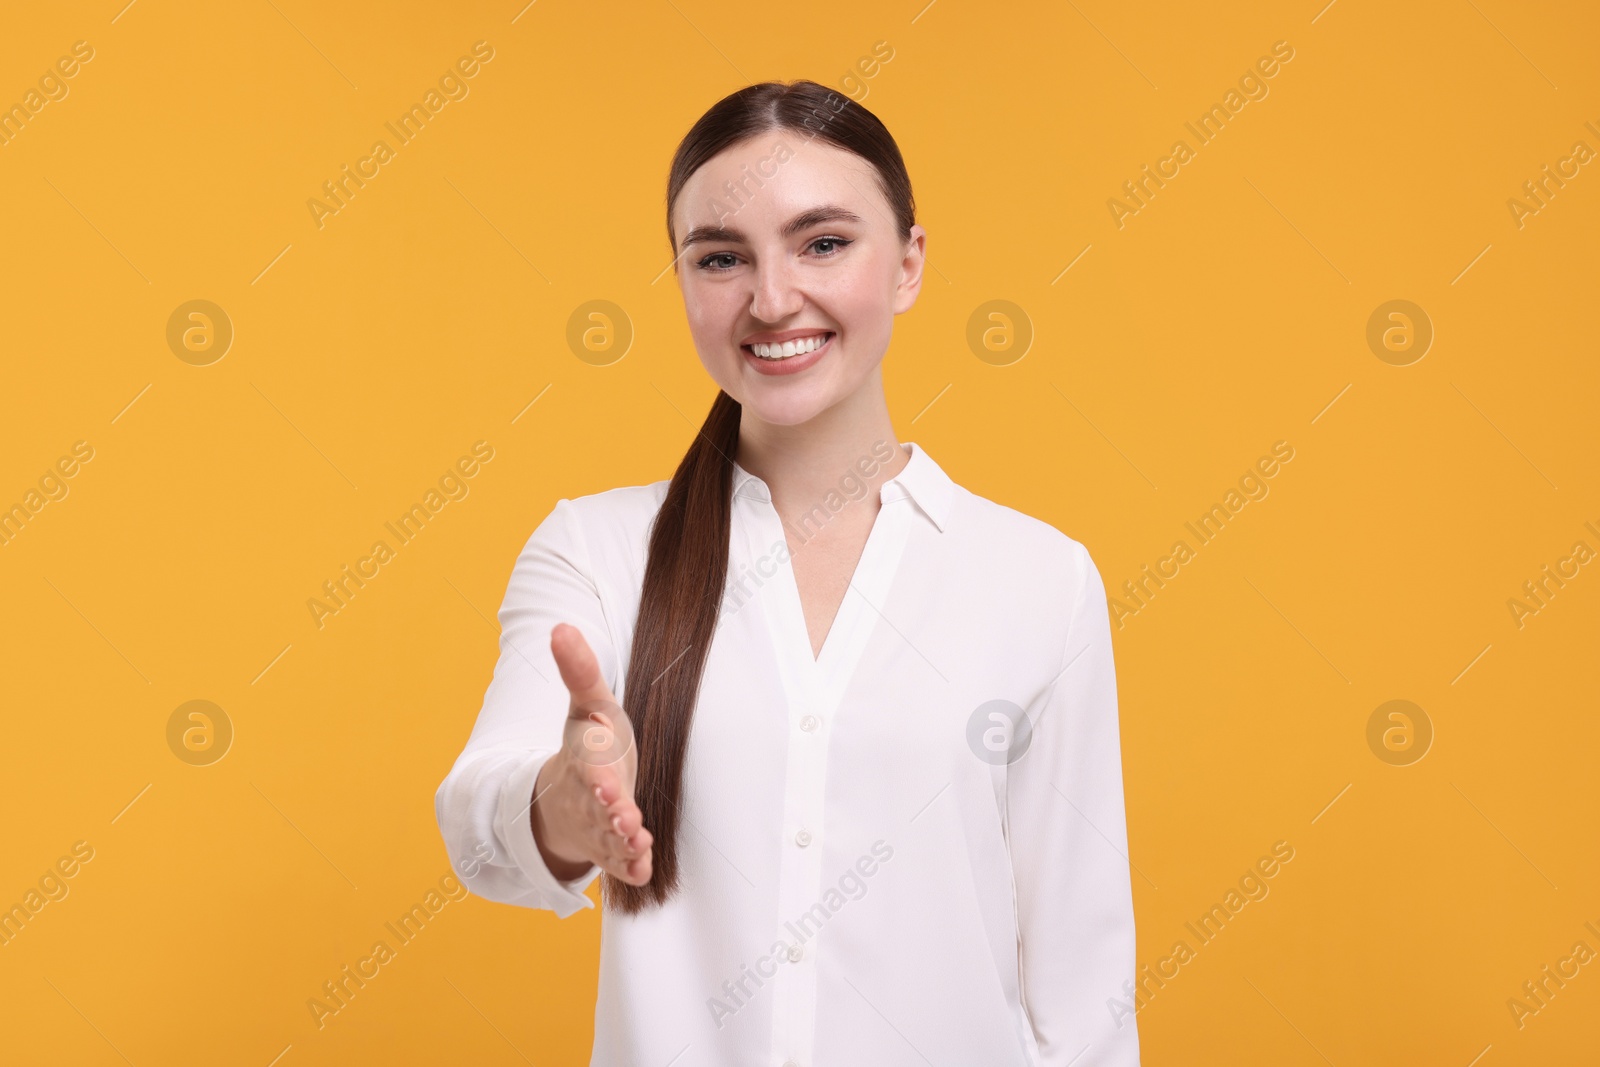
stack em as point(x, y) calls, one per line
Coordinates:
point(580, 669)
point(598, 731)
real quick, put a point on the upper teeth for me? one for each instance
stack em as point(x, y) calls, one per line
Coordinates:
point(790, 348)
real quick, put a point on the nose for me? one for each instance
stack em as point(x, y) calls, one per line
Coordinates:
point(776, 297)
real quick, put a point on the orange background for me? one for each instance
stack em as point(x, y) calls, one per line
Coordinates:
point(1229, 313)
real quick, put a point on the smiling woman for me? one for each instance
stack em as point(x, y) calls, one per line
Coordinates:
point(717, 761)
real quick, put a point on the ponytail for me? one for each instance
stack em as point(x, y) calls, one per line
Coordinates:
point(678, 612)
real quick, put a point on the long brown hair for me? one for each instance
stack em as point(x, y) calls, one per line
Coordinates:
point(688, 562)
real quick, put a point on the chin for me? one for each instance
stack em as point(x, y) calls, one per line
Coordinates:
point(782, 410)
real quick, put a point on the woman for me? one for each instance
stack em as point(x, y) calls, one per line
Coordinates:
point(865, 806)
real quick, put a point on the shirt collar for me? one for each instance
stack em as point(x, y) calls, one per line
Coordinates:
point(922, 480)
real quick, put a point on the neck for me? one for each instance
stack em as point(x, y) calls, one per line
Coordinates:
point(816, 464)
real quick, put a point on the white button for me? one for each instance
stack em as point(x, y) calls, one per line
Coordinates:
point(803, 838)
point(808, 723)
point(795, 952)
point(790, 1063)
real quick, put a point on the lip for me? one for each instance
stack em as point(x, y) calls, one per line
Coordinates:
point(784, 335)
point(792, 365)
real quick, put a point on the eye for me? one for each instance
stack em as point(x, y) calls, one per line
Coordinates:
point(840, 242)
point(722, 260)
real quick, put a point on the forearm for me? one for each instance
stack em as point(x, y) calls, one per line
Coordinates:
point(483, 807)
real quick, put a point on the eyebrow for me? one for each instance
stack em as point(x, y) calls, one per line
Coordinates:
point(804, 220)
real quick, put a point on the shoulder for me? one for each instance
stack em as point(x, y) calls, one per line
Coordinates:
point(624, 509)
point(1019, 548)
point(606, 534)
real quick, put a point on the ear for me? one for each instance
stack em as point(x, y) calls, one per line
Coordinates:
point(916, 257)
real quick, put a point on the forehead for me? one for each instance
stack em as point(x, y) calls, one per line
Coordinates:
point(774, 176)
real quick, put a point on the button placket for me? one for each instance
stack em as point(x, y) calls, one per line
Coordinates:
point(814, 687)
point(799, 868)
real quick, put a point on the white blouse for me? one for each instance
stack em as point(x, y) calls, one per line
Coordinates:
point(908, 850)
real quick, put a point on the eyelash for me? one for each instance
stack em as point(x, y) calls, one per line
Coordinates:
point(842, 243)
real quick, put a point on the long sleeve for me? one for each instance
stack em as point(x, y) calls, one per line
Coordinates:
point(1068, 837)
point(483, 804)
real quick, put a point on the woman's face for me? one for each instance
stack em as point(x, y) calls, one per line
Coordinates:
point(785, 239)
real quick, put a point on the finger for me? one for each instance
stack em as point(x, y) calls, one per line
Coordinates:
point(623, 867)
point(625, 818)
point(605, 785)
point(580, 670)
point(620, 847)
point(617, 854)
point(617, 867)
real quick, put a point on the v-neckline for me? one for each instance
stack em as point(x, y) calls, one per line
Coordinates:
point(823, 675)
point(847, 603)
point(819, 679)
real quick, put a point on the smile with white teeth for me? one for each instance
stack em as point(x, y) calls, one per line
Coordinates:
point(798, 347)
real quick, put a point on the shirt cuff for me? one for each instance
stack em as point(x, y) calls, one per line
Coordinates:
point(515, 819)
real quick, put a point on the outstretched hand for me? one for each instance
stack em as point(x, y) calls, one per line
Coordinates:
point(583, 807)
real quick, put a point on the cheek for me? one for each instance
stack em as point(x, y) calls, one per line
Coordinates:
point(713, 313)
point(711, 310)
point(862, 305)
